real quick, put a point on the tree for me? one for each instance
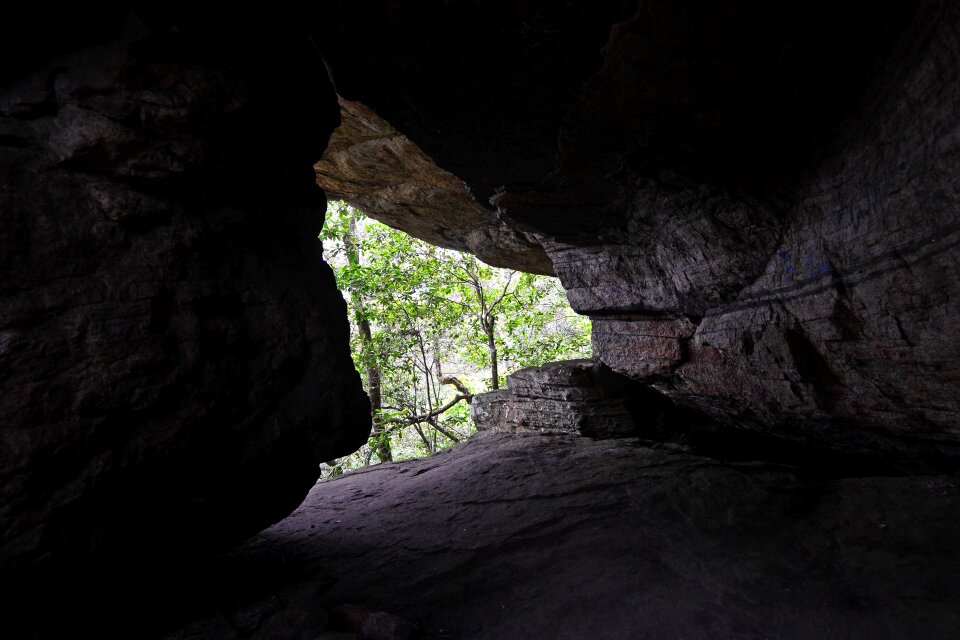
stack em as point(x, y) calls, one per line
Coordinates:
point(368, 354)
point(430, 325)
point(485, 308)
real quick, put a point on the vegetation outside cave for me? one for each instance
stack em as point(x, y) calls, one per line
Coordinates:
point(430, 327)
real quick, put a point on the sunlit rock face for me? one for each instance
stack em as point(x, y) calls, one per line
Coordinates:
point(174, 350)
point(378, 169)
point(757, 205)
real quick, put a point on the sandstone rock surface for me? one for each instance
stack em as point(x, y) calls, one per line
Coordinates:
point(173, 350)
point(378, 169)
point(537, 536)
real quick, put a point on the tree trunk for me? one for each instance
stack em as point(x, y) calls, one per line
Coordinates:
point(492, 350)
point(369, 357)
point(373, 389)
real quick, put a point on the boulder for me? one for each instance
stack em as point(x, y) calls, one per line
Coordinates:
point(573, 396)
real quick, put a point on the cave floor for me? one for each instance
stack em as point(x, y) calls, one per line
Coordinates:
point(538, 536)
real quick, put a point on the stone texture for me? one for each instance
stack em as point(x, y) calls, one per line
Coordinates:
point(755, 203)
point(173, 350)
point(385, 626)
point(830, 327)
point(573, 396)
point(378, 169)
point(642, 347)
point(536, 536)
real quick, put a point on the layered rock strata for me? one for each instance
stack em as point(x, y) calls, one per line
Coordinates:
point(574, 396)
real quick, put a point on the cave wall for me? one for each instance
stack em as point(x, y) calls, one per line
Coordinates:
point(819, 309)
point(756, 204)
point(174, 350)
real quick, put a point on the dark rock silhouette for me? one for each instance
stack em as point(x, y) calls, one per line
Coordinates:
point(174, 350)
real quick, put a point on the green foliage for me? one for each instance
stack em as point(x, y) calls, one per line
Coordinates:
point(434, 313)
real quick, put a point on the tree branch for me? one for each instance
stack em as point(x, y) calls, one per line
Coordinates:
point(416, 420)
point(450, 435)
point(505, 288)
point(458, 383)
point(423, 437)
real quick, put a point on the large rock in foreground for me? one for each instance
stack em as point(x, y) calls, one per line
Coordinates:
point(173, 350)
point(533, 536)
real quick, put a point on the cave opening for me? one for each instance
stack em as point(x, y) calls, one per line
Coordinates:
point(431, 328)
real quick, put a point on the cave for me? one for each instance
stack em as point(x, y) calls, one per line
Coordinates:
point(756, 204)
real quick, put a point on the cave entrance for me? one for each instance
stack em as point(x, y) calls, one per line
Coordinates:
point(431, 327)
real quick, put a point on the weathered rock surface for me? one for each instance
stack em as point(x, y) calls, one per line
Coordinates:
point(375, 167)
point(823, 314)
point(173, 350)
point(756, 204)
point(534, 536)
point(586, 397)
point(580, 397)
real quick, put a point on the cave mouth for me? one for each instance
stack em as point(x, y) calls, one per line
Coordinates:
point(662, 386)
point(180, 359)
point(431, 328)
point(446, 345)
